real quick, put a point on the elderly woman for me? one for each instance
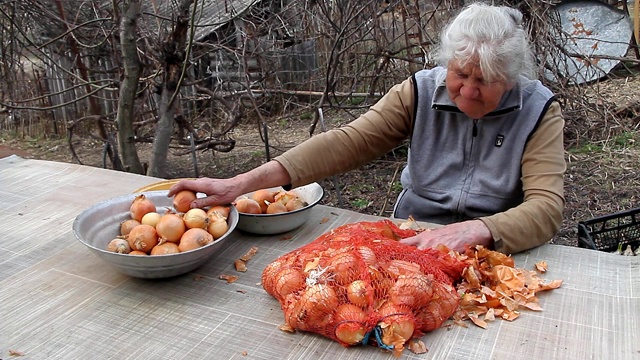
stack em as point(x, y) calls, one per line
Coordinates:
point(486, 152)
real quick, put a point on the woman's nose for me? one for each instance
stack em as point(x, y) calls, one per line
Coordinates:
point(469, 91)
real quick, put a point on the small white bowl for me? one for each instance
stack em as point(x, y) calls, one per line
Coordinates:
point(269, 224)
point(99, 224)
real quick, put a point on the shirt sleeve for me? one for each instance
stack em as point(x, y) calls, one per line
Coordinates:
point(383, 127)
point(539, 217)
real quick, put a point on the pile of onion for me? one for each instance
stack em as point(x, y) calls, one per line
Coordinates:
point(269, 201)
point(178, 229)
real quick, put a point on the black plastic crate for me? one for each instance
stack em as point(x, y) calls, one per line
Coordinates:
point(607, 232)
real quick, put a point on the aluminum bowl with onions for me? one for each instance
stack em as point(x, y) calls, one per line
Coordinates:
point(270, 224)
point(96, 226)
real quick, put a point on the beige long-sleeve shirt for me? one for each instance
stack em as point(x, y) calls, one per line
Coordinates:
point(389, 122)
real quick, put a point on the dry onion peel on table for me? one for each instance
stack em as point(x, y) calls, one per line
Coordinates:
point(492, 287)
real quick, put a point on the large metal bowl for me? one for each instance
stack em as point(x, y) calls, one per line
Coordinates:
point(269, 224)
point(99, 224)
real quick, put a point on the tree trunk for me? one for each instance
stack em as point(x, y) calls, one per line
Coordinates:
point(128, 89)
point(94, 107)
point(174, 50)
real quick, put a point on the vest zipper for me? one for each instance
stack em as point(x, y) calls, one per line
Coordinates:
point(475, 128)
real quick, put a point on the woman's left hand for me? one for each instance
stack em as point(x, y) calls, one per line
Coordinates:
point(456, 236)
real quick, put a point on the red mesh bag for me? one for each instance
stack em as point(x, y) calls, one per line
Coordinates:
point(357, 284)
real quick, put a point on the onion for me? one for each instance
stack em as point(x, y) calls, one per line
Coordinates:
point(151, 218)
point(413, 290)
point(397, 267)
point(287, 281)
point(296, 204)
point(170, 227)
point(165, 249)
point(119, 245)
point(398, 318)
point(276, 208)
point(285, 196)
point(264, 197)
point(127, 225)
point(195, 218)
point(351, 324)
point(358, 293)
point(143, 237)
point(219, 211)
point(218, 227)
point(248, 206)
point(344, 267)
point(318, 299)
point(313, 309)
point(138, 252)
point(141, 206)
point(183, 199)
point(194, 238)
point(368, 256)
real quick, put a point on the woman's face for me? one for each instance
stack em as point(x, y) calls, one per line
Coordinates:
point(473, 95)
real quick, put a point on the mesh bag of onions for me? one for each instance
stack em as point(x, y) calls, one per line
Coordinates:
point(358, 285)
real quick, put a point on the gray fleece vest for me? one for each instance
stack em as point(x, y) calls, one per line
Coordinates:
point(461, 168)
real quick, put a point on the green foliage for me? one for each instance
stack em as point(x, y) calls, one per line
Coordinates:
point(625, 140)
point(356, 100)
point(360, 203)
point(396, 186)
point(621, 141)
point(588, 148)
point(257, 154)
point(361, 188)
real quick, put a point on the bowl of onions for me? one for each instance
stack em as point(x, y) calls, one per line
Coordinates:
point(150, 235)
point(273, 210)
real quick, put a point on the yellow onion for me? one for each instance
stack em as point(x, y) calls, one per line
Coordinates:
point(397, 267)
point(248, 206)
point(358, 294)
point(138, 252)
point(414, 290)
point(165, 249)
point(143, 238)
point(195, 218)
point(170, 228)
point(344, 267)
point(119, 245)
point(396, 320)
point(351, 324)
point(287, 281)
point(218, 227)
point(285, 196)
point(218, 211)
point(194, 238)
point(296, 204)
point(140, 206)
point(315, 306)
point(151, 218)
point(368, 256)
point(127, 225)
point(183, 199)
point(276, 208)
point(264, 197)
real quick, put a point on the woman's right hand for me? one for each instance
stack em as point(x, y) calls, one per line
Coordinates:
point(225, 191)
point(218, 191)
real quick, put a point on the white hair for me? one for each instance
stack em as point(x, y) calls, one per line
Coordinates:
point(491, 36)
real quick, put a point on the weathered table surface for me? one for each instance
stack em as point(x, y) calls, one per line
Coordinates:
point(59, 301)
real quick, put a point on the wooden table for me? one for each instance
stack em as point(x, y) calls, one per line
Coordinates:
point(59, 301)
